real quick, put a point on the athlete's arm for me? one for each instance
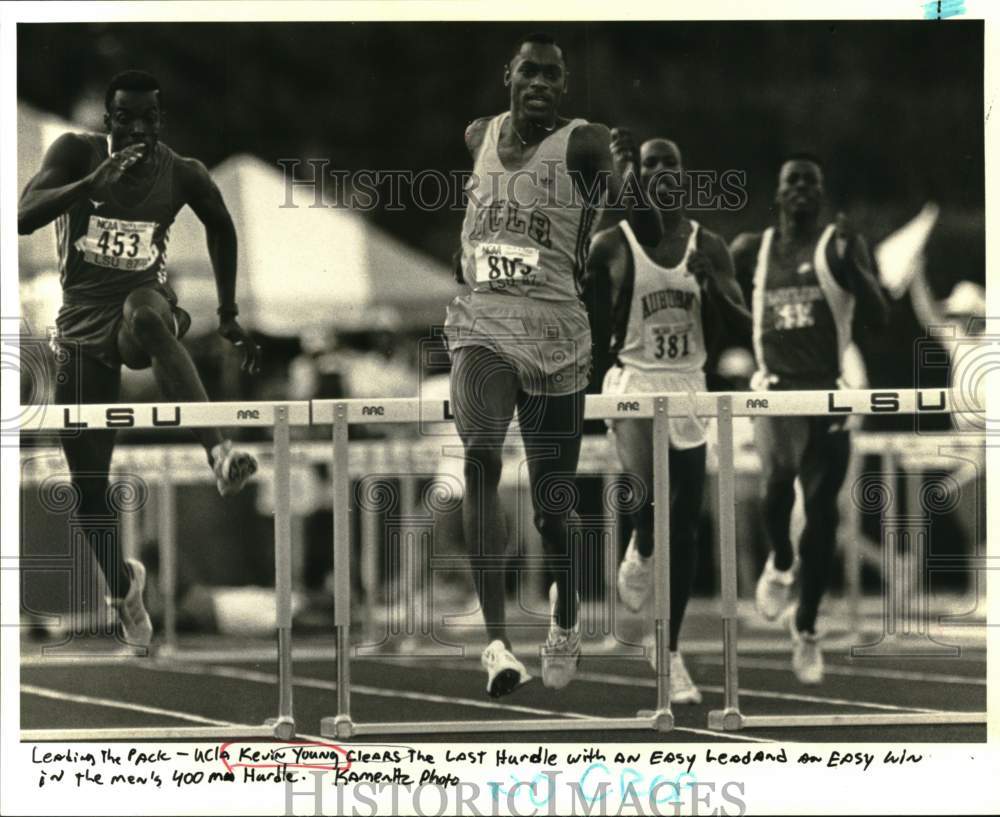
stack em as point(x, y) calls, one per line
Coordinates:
point(744, 251)
point(718, 267)
point(852, 265)
point(202, 195)
point(63, 180)
point(712, 265)
point(603, 168)
point(475, 133)
point(602, 287)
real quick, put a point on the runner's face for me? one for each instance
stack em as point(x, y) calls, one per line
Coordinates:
point(134, 118)
point(661, 171)
point(800, 188)
point(537, 81)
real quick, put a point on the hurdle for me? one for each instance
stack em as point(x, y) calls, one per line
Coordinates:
point(805, 404)
point(659, 408)
point(341, 414)
point(151, 416)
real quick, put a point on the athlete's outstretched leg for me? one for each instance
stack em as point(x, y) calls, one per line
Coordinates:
point(824, 468)
point(147, 337)
point(634, 441)
point(552, 430)
point(687, 489)
point(84, 380)
point(483, 393)
point(781, 442)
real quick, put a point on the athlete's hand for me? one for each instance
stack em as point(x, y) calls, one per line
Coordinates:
point(624, 155)
point(111, 169)
point(700, 266)
point(844, 234)
point(231, 330)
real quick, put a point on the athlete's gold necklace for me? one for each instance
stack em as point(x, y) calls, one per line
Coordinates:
point(524, 142)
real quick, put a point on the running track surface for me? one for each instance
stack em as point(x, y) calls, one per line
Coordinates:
point(233, 687)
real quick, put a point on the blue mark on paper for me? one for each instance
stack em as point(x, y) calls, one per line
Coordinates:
point(943, 9)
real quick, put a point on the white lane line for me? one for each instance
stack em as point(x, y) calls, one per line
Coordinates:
point(854, 672)
point(650, 683)
point(57, 695)
point(624, 680)
point(423, 697)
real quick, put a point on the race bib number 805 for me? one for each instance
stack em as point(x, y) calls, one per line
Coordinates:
point(502, 265)
point(125, 245)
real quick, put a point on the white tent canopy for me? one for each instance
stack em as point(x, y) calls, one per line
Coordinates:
point(299, 267)
point(304, 266)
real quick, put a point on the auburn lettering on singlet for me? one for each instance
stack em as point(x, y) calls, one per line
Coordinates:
point(663, 329)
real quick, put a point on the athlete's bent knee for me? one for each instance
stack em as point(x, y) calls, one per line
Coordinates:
point(148, 326)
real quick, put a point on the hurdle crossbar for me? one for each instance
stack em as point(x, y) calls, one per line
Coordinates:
point(658, 407)
point(730, 717)
point(280, 416)
point(341, 414)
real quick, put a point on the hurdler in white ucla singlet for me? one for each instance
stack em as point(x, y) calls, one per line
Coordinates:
point(526, 231)
point(524, 248)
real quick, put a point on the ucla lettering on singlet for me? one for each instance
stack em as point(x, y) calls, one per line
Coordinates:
point(509, 217)
point(525, 234)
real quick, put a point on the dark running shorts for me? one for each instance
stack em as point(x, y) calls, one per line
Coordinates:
point(93, 328)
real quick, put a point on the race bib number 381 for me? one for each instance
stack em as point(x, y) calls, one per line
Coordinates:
point(124, 245)
point(504, 265)
point(670, 341)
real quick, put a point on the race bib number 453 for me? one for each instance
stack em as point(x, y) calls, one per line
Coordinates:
point(125, 245)
point(504, 265)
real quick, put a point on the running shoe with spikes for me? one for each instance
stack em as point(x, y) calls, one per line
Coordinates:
point(136, 626)
point(807, 654)
point(232, 468)
point(774, 589)
point(634, 577)
point(504, 673)
point(682, 687)
point(561, 653)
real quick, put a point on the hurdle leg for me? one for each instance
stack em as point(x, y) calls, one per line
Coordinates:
point(662, 717)
point(167, 536)
point(341, 725)
point(284, 725)
point(729, 717)
point(852, 553)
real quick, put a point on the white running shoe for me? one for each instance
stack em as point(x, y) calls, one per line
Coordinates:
point(232, 468)
point(635, 575)
point(807, 655)
point(561, 653)
point(504, 672)
point(774, 589)
point(137, 627)
point(682, 688)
